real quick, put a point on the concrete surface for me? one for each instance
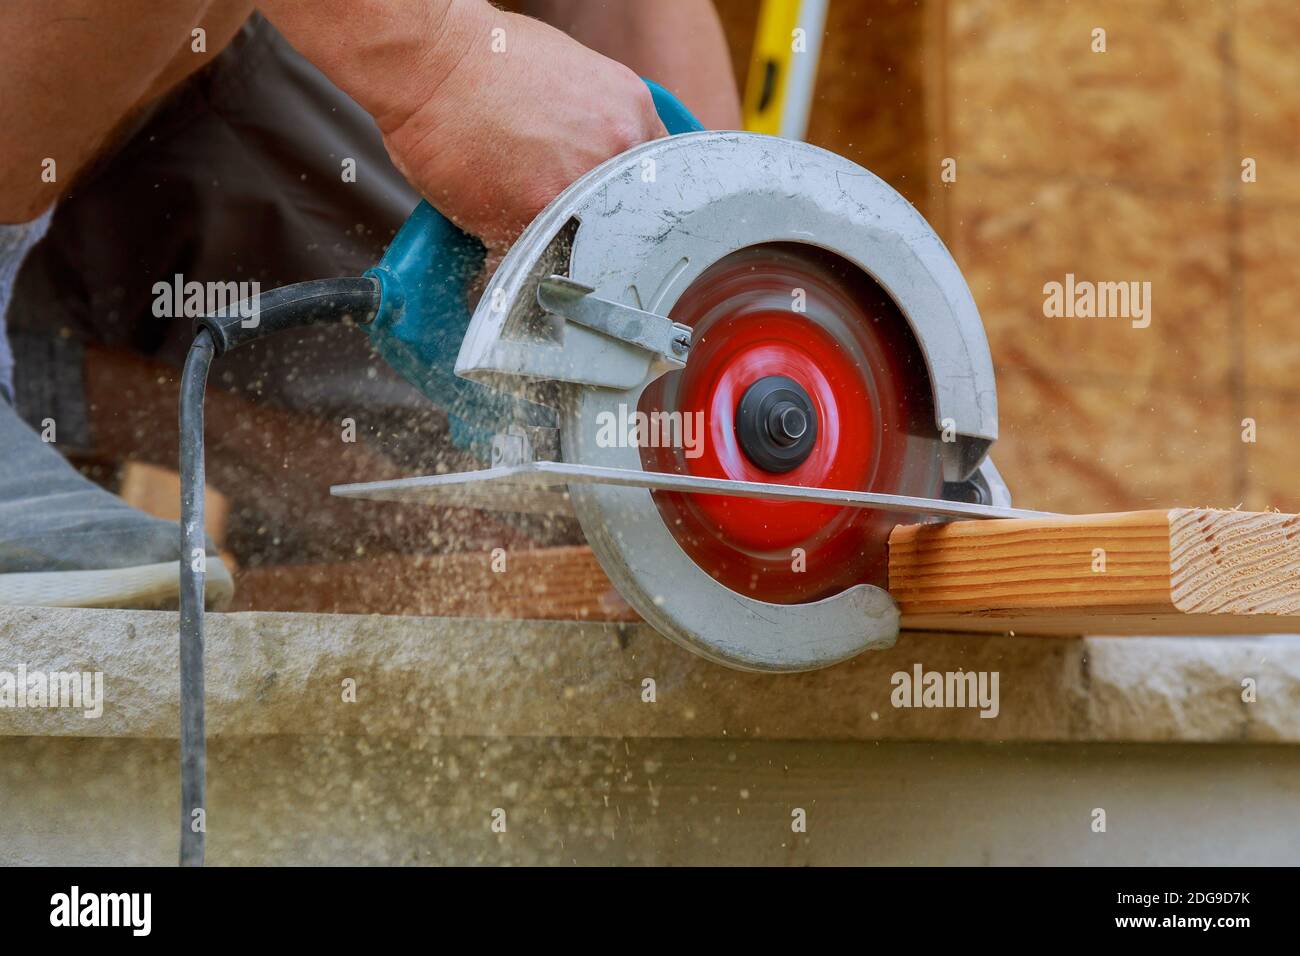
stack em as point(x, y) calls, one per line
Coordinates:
point(273, 673)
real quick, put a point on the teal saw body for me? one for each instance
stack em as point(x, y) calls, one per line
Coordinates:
point(425, 280)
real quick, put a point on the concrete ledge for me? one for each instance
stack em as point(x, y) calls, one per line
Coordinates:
point(281, 673)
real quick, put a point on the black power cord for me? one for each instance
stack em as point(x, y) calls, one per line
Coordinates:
point(324, 300)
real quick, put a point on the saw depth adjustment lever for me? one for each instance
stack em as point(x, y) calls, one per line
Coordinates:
point(668, 341)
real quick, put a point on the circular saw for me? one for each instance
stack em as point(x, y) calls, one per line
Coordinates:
point(757, 358)
point(739, 360)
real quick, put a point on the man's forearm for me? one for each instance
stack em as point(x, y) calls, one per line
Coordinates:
point(488, 114)
point(677, 43)
point(72, 70)
point(377, 50)
point(388, 55)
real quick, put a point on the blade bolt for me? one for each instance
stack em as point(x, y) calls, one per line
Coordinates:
point(786, 423)
point(776, 424)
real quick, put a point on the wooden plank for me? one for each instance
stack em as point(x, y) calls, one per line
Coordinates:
point(1184, 571)
point(1187, 571)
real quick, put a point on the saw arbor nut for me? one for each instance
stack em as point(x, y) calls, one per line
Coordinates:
point(776, 424)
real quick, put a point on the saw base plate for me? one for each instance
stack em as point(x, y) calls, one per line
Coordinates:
point(539, 487)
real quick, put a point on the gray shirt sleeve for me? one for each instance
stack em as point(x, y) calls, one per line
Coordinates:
point(15, 242)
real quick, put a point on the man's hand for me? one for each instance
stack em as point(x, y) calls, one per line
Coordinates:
point(505, 131)
point(489, 114)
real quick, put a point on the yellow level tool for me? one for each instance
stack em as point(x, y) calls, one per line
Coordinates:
point(783, 67)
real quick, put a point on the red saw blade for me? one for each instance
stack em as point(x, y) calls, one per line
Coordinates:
point(789, 313)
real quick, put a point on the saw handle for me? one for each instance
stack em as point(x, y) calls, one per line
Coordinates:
point(423, 314)
point(676, 117)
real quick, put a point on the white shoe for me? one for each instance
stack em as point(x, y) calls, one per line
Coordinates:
point(66, 542)
point(144, 587)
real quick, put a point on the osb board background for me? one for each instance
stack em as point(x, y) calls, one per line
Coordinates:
point(1116, 166)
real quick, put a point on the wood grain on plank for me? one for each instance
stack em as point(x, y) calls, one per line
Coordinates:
point(1184, 571)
